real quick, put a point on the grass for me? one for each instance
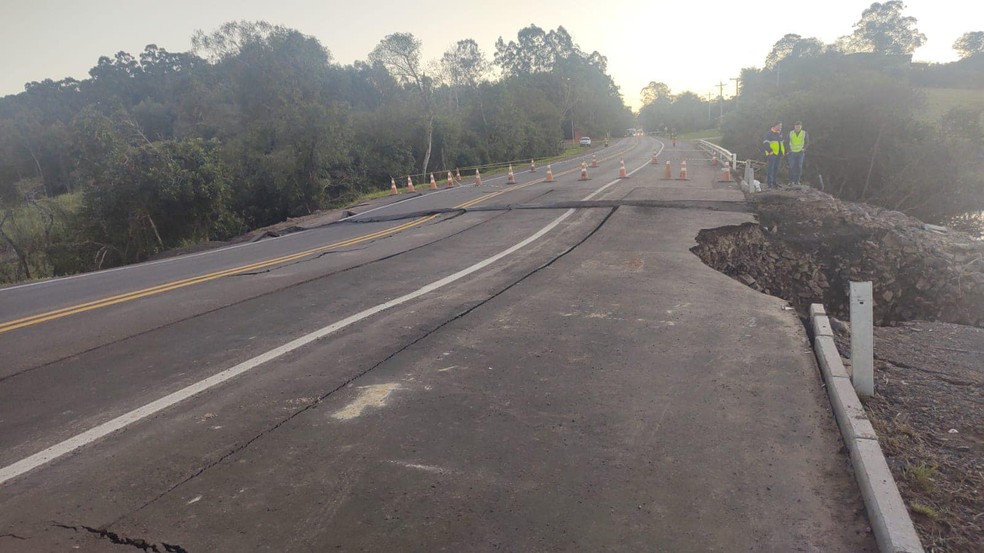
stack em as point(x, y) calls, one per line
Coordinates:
point(711, 135)
point(568, 152)
point(941, 100)
point(922, 476)
point(924, 510)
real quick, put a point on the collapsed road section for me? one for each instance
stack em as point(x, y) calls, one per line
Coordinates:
point(929, 304)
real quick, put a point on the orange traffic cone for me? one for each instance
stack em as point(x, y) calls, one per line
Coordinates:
point(512, 177)
point(410, 185)
point(668, 172)
point(584, 171)
point(654, 162)
point(621, 169)
point(393, 189)
point(549, 174)
point(457, 175)
point(532, 166)
point(725, 173)
point(714, 160)
point(683, 170)
point(450, 180)
point(594, 160)
point(478, 178)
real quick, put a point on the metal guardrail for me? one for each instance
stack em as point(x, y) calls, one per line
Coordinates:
point(722, 154)
point(748, 182)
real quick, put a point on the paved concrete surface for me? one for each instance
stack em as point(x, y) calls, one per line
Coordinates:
point(599, 390)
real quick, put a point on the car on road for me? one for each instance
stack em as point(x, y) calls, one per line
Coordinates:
point(585, 141)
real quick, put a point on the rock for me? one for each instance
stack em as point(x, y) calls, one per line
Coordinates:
point(825, 243)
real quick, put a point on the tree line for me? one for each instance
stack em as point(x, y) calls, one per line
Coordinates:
point(257, 124)
point(862, 101)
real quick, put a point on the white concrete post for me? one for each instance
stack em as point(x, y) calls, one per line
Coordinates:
point(750, 176)
point(862, 338)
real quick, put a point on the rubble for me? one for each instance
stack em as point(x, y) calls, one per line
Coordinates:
point(808, 246)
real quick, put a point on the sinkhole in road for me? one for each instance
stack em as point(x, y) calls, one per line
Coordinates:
point(808, 247)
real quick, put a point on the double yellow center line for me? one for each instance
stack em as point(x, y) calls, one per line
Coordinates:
point(167, 287)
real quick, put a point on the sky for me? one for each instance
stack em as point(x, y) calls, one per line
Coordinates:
point(685, 44)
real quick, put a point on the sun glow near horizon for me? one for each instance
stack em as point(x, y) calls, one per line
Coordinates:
point(687, 47)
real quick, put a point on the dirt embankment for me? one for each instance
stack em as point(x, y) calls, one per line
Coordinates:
point(928, 409)
point(808, 247)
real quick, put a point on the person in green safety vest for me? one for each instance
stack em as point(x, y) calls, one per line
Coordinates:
point(798, 141)
point(774, 150)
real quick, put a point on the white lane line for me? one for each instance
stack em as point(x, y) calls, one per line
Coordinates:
point(224, 248)
point(60, 449)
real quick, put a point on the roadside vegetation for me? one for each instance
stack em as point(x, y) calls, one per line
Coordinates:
point(883, 130)
point(886, 136)
point(258, 124)
point(711, 135)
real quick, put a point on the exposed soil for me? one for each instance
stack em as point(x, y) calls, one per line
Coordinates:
point(928, 409)
point(928, 412)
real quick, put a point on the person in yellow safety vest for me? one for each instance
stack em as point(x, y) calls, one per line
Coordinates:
point(774, 150)
point(798, 141)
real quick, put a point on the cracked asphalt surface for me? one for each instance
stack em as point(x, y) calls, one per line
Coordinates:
point(598, 390)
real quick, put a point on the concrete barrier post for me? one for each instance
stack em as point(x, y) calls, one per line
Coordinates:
point(750, 176)
point(862, 338)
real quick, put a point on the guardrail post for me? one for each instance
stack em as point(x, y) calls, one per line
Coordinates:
point(750, 176)
point(862, 339)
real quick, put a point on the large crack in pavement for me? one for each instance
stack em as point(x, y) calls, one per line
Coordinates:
point(138, 543)
point(453, 212)
point(710, 205)
point(363, 373)
point(221, 307)
point(365, 246)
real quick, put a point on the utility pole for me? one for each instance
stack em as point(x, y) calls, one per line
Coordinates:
point(737, 81)
point(721, 104)
point(708, 107)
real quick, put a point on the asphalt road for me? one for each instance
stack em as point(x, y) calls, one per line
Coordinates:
point(471, 369)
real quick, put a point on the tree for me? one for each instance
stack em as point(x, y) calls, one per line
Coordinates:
point(157, 196)
point(537, 51)
point(154, 141)
point(231, 37)
point(793, 46)
point(464, 65)
point(400, 54)
point(655, 91)
point(866, 140)
point(970, 44)
point(883, 29)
